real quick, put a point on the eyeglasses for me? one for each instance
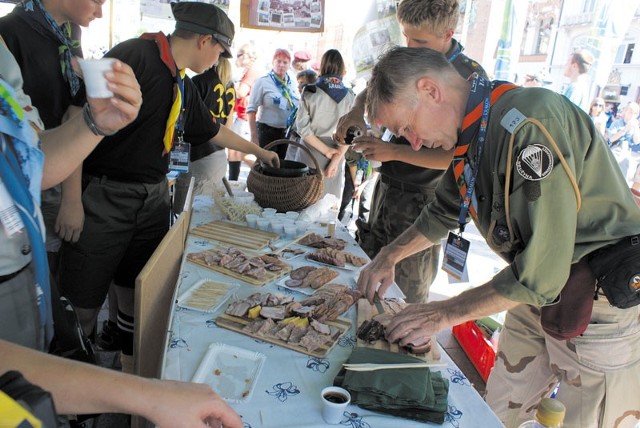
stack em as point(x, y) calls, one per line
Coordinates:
point(598, 105)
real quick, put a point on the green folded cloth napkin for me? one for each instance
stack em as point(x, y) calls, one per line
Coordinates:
point(416, 393)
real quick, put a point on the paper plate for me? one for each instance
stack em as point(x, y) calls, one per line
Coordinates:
point(205, 295)
point(232, 372)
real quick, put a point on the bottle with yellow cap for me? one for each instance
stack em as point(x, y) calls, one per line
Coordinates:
point(550, 414)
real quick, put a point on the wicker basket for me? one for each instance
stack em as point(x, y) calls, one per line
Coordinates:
point(286, 193)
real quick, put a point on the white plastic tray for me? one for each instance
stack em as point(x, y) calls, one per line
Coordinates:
point(206, 304)
point(232, 372)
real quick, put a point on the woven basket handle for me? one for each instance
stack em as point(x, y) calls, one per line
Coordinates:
point(302, 146)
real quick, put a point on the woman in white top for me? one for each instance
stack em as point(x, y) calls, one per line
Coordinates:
point(320, 108)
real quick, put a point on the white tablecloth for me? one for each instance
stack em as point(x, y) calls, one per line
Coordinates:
point(288, 388)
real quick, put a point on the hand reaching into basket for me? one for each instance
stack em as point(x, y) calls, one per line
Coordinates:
point(269, 158)
point(229, 139)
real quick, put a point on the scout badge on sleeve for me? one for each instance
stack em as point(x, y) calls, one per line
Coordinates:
point(534, 162)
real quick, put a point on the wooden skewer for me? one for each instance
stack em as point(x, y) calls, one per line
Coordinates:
point(227, 186)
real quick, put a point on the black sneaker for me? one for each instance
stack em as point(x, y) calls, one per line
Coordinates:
point(109, 337)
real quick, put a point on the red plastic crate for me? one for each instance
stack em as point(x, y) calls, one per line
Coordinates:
point(478, 349)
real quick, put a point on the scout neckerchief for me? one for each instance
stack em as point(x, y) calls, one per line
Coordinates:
point(67, 34)
point(474, 126)
point(332, 86)
point(22, 183)
point(175, 122)
point(284, 85)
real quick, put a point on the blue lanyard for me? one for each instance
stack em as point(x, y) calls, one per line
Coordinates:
point(482, 135)
point(16, 185)
point(181, 118)
point(455, 53)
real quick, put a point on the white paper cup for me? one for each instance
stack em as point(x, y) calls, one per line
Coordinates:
point(269, 212)
point(252, 220)
point(290, 230)
point(334, 402)
point(302, 226)
point(93, 71)
point(292, 215)
point(263, 224)
point(277, 226)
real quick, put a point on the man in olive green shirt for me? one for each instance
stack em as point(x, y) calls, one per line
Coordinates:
point(565, 199)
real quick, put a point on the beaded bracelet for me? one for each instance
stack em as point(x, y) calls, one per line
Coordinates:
point(88, 119)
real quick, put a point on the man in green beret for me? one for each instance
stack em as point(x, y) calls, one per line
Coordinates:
point(125, 193)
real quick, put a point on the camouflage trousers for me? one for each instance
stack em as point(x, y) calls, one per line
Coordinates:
point(598, 372)
point(392, 212)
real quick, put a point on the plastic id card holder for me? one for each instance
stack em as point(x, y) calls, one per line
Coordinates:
point(455, 255)
point(179, 157)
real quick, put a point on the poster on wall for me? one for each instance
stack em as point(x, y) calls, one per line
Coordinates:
point(283, 15)
point(380, 32)
point(162, 8)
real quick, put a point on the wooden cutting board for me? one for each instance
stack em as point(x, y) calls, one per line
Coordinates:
point(235, 234)
point(237, 324)
point(366, 311)
point(267, 278)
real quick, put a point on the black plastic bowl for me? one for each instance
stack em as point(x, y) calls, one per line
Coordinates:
point(288, 168)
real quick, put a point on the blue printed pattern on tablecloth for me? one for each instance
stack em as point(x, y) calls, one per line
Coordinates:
point(283, 390)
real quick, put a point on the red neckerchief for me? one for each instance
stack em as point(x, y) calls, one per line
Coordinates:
point(174, 118)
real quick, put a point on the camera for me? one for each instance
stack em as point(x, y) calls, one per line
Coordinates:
point(352, 132)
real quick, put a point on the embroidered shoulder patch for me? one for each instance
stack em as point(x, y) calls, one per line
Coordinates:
point(534, 162)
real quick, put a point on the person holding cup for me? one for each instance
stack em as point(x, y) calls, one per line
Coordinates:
point(126, 197)
point(47, 157)
point(45, 40)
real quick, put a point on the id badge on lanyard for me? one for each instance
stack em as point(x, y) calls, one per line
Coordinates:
point(179, 156)
point(9, 215)
point(455, 255)
point(457, 248)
